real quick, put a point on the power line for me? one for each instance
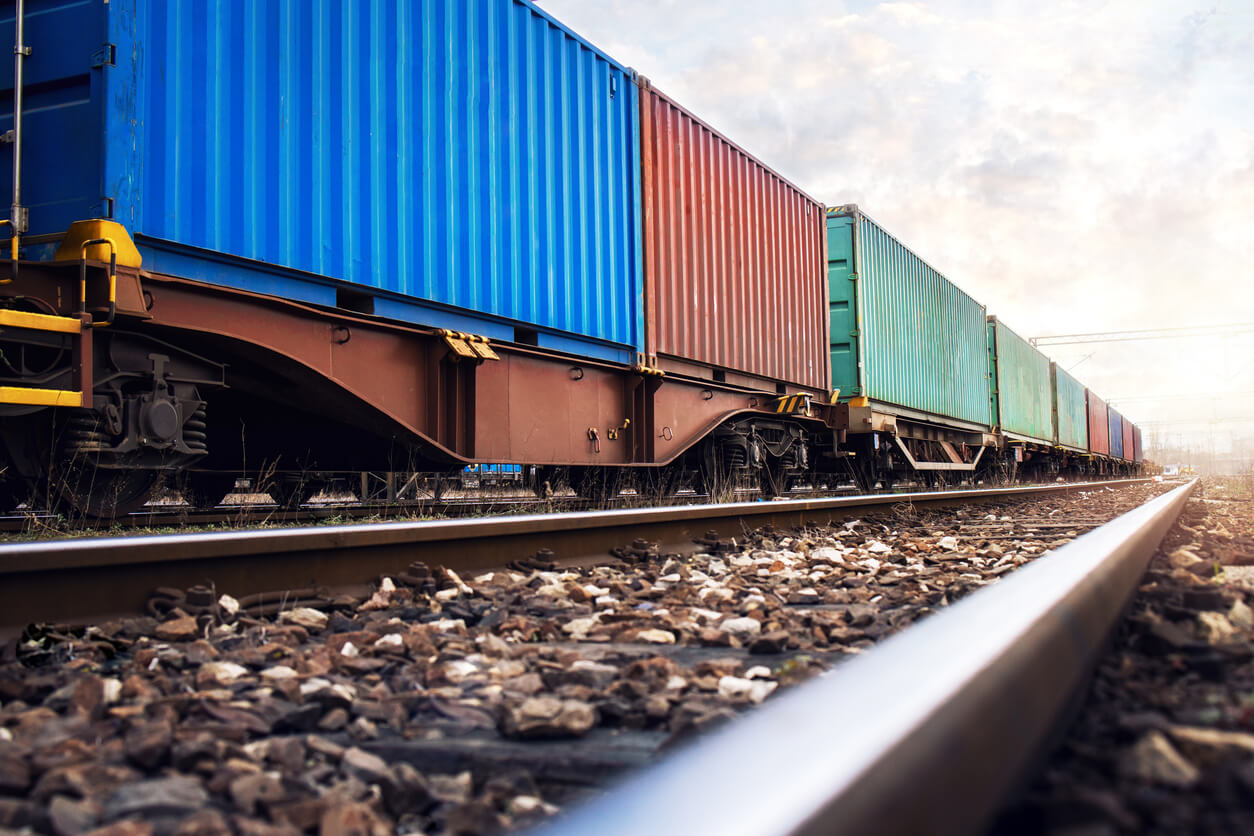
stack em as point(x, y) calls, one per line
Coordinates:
point(1185, 332)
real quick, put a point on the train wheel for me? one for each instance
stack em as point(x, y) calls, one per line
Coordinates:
point(105, 492)
point(293, 492)
point(13, 492)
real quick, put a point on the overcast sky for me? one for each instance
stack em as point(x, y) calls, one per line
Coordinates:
point(1076, 166)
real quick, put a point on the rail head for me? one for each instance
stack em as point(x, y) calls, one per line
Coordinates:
point(925, 733)
point(19, 557)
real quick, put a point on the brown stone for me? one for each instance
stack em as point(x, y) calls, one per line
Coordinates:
point(123, 828)
point(72, 817)
point(148, 744)
point(204, 823)
point(351, 820)
point(541, 717)
point(774, 641)
point(14, 770)
point(178, 630)
point(249, 791)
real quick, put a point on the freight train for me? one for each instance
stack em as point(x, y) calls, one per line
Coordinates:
point(289, 239)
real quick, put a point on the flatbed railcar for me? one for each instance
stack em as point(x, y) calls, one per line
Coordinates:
point(280, 239)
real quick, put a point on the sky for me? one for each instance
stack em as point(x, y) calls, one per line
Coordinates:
point(1075, 166)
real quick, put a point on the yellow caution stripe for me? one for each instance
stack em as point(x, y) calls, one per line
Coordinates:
point(792, 404)
point(40, 322)
point(24, 396)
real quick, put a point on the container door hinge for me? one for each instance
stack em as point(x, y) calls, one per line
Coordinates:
point(105, 56)
point(468, 346)
point(106, 207)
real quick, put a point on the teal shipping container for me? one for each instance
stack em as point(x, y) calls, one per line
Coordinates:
point(1022, 397)
point(902, 335)
point(1071, 428)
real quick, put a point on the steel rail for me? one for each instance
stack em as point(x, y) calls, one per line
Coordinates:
point(926, 733)
point(84, 580)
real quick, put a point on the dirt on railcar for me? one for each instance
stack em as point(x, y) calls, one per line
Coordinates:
point(1165, 740)
point(447, 705)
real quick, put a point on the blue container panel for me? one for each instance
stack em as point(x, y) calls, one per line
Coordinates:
point(468, 153)
point(1115, 421)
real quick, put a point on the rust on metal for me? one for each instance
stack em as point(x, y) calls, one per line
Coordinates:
point(734, 255)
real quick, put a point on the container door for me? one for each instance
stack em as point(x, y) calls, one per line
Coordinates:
point(842, 294)
point(62, 93)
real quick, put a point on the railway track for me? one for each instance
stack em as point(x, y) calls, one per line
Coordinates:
point(929, 733)
point(84, 580)
point(463, 705)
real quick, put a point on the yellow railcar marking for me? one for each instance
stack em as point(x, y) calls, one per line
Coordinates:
point(40, 322)
point(39, 397)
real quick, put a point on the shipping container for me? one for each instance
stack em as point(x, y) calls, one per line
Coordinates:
point(733, 256)
point(1138, 451)
point(1022, 396)
point(1071, 429)
point(902, 335)
point(1099, 425)
point(1129, 441)
point(1115, 421)
point(463, 163)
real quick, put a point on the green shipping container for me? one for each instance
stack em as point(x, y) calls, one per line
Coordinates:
point(1022, 398)
point(1071, 426)
point(902, 335)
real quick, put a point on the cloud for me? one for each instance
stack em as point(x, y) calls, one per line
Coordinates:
point(1077, 167)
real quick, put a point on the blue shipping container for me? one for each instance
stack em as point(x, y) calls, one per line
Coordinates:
point(471, 163)
point(1115, 421)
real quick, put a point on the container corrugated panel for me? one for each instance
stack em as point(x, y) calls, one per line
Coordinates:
point(468, 153)
point(733, 253)
point(1024, 396)
point(1115, 422)
point(1139, 452)
point(1099, 425)
point(901, 333)
point(1070, 410)
point(1129, 441)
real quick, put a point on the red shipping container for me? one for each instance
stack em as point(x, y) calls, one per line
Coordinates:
point(1129, 442)
point(735, 272)
point(1099, 427)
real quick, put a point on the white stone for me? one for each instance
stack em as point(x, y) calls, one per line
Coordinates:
point(447, 594)
point(741, 626)
point(279, 672)
point(1153, 759)
point(735, 687)
point(876, 547)
point(448, 625)
point(676, 683)
point(228, 605)
point(112, 690)
point(949, 544)
point(579, 627)
point(306, 617)
point(827, 553)
point(1215, 627)
point(223, 673)
point(1241, 615)
point(458, 669)
point(390, 640)
point(758, 672)
point(656, 636)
